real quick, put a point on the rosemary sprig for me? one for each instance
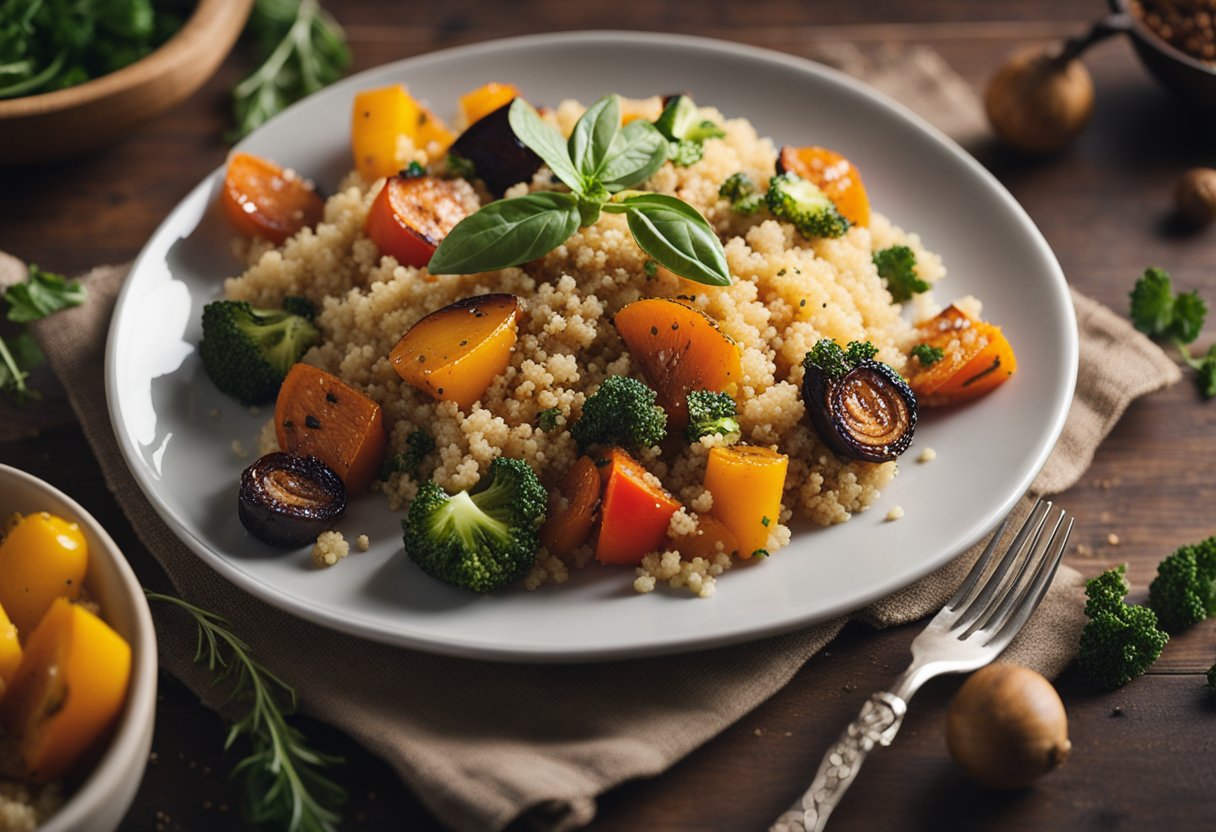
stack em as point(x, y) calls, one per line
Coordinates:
point(285, 785)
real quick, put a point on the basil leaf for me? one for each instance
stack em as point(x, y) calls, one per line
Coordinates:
point(594, 135)
point(42, 294)
point(506, 233)
point(637, 152)
point(545, 142)
point(678, 237)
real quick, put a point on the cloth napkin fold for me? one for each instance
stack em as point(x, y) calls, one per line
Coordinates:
point(482, 744)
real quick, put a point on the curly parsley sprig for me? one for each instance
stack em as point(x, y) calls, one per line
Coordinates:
point(284, 779)
point(1160, 313)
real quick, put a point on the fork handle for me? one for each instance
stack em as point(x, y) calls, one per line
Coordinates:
point(878, 723)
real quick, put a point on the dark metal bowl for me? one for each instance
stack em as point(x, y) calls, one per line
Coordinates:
point(1190, 78)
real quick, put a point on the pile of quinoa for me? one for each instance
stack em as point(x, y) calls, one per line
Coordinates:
point(23, 806)
point(788, 292)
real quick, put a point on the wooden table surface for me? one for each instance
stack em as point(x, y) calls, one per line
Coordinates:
point(1142, 756)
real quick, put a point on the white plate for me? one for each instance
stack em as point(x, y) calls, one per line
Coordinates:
point(161, 402)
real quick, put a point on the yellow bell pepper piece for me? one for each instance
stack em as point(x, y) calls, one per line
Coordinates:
point(69, 688)
point(747, 483)
point(42, 558)
point(479, 103)
point(379, 118)
point(10, 651)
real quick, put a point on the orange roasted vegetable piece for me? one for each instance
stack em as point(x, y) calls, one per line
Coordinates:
point(835, 176)
point(412, 214)
point(10, 651)
point(635, 512)
point(262, 199)
point(479, 103)
point(679, 349)
point(317, 414)
point(380, 118)
point(976, 357)
point(454, 354)
point(68, 690)
point(568, 528)
point(747, 483)
point(42, 558)
point(704, 542)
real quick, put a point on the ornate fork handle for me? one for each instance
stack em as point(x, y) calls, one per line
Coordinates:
point(878, 723)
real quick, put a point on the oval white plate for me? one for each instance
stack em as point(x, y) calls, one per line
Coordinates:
point(162, 403)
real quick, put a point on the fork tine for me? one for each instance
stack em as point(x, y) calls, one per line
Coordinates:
point(1035, 591)
point(976, 607)
point(980, 564)
point(999, 609)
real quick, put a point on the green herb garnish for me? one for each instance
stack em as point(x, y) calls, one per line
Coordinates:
point(43, 293)
point(546, 420)
point(600, 163)
point(1157, 311)
point(927, 354)
point(285, 785)
point(897, 266)
point(303, 49)
point(418, 446)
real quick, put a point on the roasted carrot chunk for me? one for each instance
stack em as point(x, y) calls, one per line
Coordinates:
point(262, 199)
point(635, 512)
point(455, 353)
point(835, 176)
point(704, 542)
point(747, 483)
point(679, 349)
point(412, 215)
point(976, 357)
point(317, 414)
point(567, 529)
point(479, 103)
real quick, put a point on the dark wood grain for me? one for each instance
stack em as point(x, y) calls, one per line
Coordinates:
point(1104, 206)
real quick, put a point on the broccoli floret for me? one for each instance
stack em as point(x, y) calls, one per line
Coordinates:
point(1120, 640)
point(794, 199)
point(710, 413)
point(1184, 591)
point(835, 362)
point(418, 445)
point(303, 307)
point(681, 124)
point(739, 189)
point(897, 266)
point(621, 412)
point(481, 539)
point(247, 352)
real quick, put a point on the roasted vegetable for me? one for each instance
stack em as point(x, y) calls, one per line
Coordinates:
point(739, 190)
point(976, 357)
point(861, 408)
point(454, 354)
point(569, 525)
point(247, 352)
point(747, 483)
point(1120, 640)
point(10, 649)
point(68, 690)
point(635, 513)
point(412, 214)
point(1184, 591)
point(499, 158)
point(317, 414)
point(802, 203)
point(380, 119)
point(479, 103)
point(622, 411)
point(678, 349)
point(479, 540)
point(834, 175)
point(287, 500)
point(711, 413)
point(704, 542)
point(681, 124)
point(43, 558)
point(262, 199)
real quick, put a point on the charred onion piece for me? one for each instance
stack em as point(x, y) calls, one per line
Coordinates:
point(499, 158)
point(287, 500)
point(868, 413)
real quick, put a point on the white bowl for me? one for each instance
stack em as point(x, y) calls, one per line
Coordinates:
point(102, 799)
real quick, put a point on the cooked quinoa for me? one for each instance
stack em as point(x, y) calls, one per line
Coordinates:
point(23, 806)
point(788, 293)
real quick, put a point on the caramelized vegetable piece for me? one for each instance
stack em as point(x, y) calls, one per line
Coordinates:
point(412, 215)
point(479, 103)
point(42, 558)
point(262, 199)
point(287, 500)
point(317, 414)
point(635, 513)
point(455, 353)
point(976, 357)
point(499, 158)
point(835, 176)
point(747, 483)
point(679, 349)
point(68, 690)
point(10, 651)
point(567, 529)
point(868, 414)
point(704, 543)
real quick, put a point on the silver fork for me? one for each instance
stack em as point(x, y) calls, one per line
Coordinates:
point(969, 632)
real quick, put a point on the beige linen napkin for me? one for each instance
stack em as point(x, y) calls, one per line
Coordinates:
point(482, 744)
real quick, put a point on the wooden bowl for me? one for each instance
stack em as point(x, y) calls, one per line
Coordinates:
point(71, 121)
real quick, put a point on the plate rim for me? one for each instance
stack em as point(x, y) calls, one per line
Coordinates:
point(482, 648)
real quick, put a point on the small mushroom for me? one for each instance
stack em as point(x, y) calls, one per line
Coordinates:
point(1195, 196)
point(287, 500)
point(1038, 102)
point(869, 413)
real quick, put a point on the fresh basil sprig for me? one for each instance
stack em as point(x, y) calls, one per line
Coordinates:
point(599, 163)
